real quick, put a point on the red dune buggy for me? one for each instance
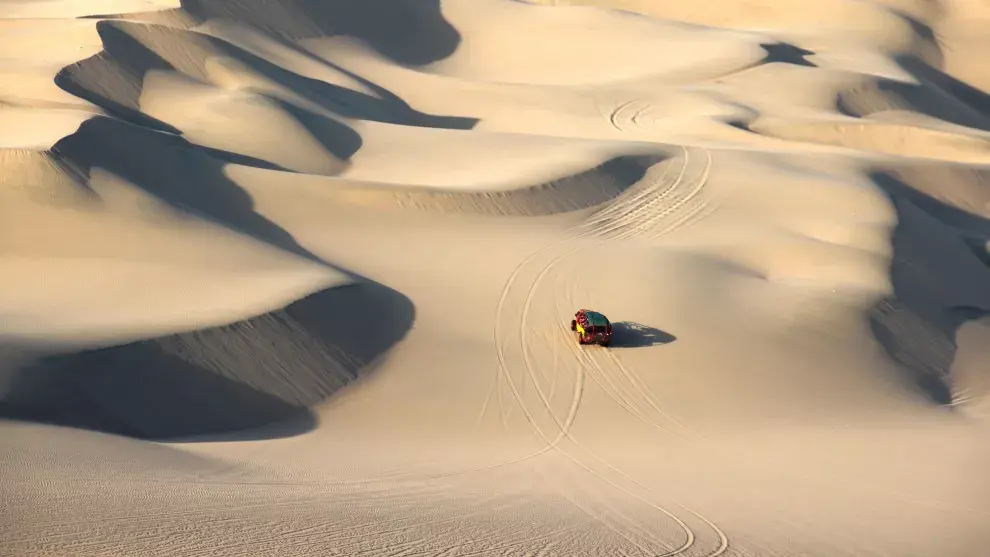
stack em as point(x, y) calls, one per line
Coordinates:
point(592, 327)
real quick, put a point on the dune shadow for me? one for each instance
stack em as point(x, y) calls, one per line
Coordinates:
point(739, 124)
point(241, 159)
point(173, 170)
point(939, 283)
point(410, 32)
point(925, 45)
point(786, 53)
point(259, 377)
point(924, 351)
point(109, 82)
point(587, 189)
point(628, 334)
point(400, 111)
point(336, 137)
point(896, 184)
point(966, 94)
point(936, 93)
point(256, 378)
point(113, 80)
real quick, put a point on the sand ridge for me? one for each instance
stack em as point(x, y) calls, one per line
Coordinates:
point(294, 277)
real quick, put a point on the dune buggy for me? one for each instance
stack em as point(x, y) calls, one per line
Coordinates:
point(592, 327)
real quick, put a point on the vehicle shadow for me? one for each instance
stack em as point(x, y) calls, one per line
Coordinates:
point(628, 334)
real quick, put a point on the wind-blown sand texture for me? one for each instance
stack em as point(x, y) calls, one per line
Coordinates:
point(294, 277)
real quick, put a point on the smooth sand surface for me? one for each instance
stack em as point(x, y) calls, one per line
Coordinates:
point(294, 277)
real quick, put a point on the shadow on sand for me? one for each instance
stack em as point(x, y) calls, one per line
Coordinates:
point(172, 170)
point(936, 93)
point(939, 279)
point(113, 79)
point(786, 53)
point(627, 334)
point(256, 378)
point(410, 32)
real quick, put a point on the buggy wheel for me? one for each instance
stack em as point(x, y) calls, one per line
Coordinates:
point(573, 325)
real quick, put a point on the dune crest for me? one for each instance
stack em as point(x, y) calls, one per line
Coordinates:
point(296, 277)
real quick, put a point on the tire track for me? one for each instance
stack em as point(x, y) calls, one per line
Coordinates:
point(638, 387)
point(601, 520)
point(614, 119)
point(551, 444)
point(700, 183)
point(637, 209)
point(655, 217)
point(578, 232)
point(623, 123)
point(644, 391)
point(625, 209)
point(582, 355)
point(564, 428)
point(556, 371)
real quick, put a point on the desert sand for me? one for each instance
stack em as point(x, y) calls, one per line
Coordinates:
point(295, 277)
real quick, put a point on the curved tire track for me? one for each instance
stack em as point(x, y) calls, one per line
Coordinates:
point(637, 204)
point(644, 204)
point(623, 122)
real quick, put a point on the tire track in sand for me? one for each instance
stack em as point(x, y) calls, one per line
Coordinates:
point(613, 390)
point(623, 123)
point(579, 232)
point(637, 203)
point(642, 204)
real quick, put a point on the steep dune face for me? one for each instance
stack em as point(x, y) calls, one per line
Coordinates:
point(266, 370)
point(939, 275)
point(67, 286)
point(410, 32)
point(295, 277)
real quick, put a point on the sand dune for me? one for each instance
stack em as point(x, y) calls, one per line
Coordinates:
point(248, 374)
point(294, 278)
point(585, 44)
